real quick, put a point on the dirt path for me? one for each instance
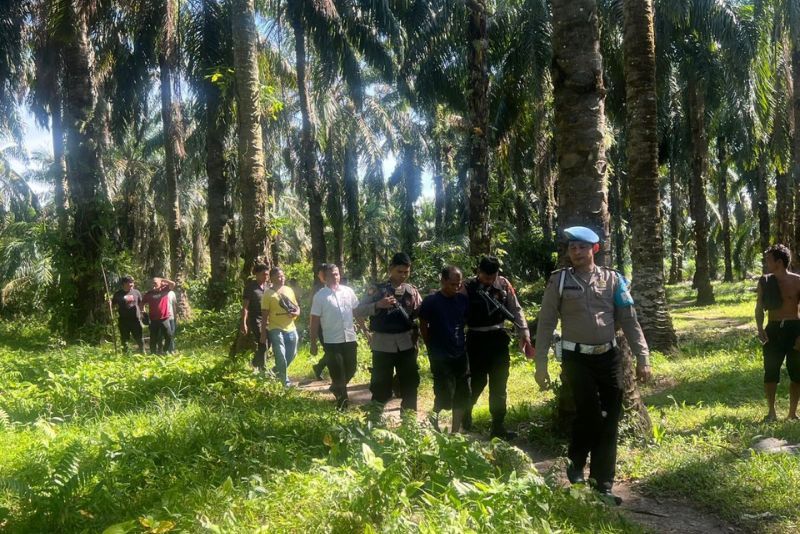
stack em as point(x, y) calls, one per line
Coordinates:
point(658, 514)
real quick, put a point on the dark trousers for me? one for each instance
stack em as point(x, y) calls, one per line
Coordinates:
point(383, 368)
point(254, 329)
point(341, 360)
point(489, 362)
point(450, 382)
point(160, 335)
point(130, 327)
point(596, 384)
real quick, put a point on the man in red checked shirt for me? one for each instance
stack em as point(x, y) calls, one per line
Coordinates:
point(157, 302)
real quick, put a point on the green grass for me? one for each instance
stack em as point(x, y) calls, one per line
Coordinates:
point(195, 442)
point(92, 440)
point(708, 403)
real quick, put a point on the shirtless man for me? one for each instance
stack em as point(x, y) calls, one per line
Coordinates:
point(780, 337)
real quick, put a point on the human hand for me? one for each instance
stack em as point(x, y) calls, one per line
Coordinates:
point(542, 378)
point(526, 348)
point(762, 337)
point(263, 339)
point(643, 373)
point(386, 302)
point(313, 348)
point(243, 328)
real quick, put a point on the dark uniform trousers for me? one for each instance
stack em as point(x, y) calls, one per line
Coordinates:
point(342, 362)
point(383, 368)
point(254, 328)
point(489, 361)
point(596, 383)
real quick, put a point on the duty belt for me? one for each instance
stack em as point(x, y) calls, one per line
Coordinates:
point(490, 328)
point(584, 348)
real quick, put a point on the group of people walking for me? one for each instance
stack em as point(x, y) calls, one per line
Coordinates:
point(463, 326)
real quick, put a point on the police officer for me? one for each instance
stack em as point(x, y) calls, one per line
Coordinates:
point(492, 301)
point(392, 307)
point(590, 300)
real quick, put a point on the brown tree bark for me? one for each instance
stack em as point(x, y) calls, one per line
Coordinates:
point(762, 202)
point(351, 200)
point(85, 178)
point(784, 212)
point(579, 129)
point(647, 240)
point(478, 105)
point(252, 180)
point(308, 144)
point(334, 206)
point(794, 29)
point(722, 206)
point(697, 193)
point(59, 167)
point(675, 218)
point(218, 210)
point(174, 152)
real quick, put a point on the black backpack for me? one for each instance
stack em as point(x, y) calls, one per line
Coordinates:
point(770, 292)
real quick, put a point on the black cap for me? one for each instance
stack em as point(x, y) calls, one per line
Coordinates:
point(489, 264)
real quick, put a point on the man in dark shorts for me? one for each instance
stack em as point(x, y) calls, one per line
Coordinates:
point(442, 317)
point(780, 337)
point(129, 303)
point(251, 312)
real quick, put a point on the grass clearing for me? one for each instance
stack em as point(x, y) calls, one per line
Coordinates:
point(94, 441)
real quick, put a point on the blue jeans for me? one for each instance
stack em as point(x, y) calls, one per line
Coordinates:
point(284, 346)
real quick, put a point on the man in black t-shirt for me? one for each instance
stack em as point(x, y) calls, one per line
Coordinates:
point(442, 318)
point(251, 312)
point(129, 304)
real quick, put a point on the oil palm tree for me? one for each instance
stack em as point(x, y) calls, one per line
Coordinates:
point(647, 248)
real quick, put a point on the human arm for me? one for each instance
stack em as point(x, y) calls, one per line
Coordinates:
point(545, 326)
point(762, 334)
point(243, 323)
point(625, 316)
point(313, 332)
point(520, 323)
point(170, 284)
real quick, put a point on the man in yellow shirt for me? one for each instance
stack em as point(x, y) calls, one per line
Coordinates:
point(279, 310)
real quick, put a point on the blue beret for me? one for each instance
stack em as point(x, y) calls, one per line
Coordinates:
point(581, 233)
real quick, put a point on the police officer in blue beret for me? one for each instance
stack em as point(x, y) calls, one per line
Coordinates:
point(590, 301)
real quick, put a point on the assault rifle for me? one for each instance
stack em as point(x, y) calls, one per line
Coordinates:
point(494, 305)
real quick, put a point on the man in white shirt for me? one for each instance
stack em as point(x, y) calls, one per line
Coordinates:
point(332, 308)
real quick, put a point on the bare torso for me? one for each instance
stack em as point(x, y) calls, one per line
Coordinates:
point(790, 293)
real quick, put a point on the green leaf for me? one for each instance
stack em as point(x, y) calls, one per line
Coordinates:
point(121, 528)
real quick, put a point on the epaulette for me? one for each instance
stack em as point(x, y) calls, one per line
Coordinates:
point(557, 270)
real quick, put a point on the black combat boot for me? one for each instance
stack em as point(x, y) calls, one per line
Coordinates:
point(499, 431)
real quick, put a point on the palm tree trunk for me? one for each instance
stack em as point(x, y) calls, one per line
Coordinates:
point(676, 255)
point(795, 175)
point(412, 176)
point(218, 211)
point(647, 240)
point(85, 177)
point(59, 168)
point(334, 203)
point(307, 150)
point(697, 196)
point(252, 183)
point(351, 200)
point(478, 105)
point(615, 209)
point(722, 206)
point(784, 214)
point(174, 151)
point(579, 129)
point(762, 203)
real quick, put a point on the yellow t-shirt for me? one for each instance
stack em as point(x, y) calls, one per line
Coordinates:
point(271, 309)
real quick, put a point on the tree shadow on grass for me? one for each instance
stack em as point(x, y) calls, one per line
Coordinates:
point(178, 463)
point(731, 388)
